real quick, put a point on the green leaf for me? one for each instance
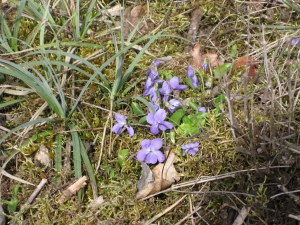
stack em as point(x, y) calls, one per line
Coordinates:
point(137, 109)
point(177, 116)
point(143, 120)
point(218, 100)
point(188, 129)
point(2, 105)
point(194, 106)
point(219, 71)
point(234, 51)
point(188, 81)
point(12, 205)
point(122, 155)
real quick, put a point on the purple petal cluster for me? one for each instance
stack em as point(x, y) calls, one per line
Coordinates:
point(202, 109)
point(192, 76)
point(117, 128)
point(150, 87)
point(150, 152)
point(173, 104)
point(294, 41)
point(157, 121)
point(191, 148)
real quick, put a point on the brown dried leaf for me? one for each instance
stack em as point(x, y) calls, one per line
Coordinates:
point(246, 61)
point(42, 158)
point(165, 175)
point(146, 177)
point(194, 26)
point(131, 18)
point(198, 58)
point(213, 59)
point(166, 171)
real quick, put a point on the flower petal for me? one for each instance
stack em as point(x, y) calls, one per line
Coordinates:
point(160, 156)
point(120, 118)
point(151, 158)
point(150, 118)
point(146, 144)
point(165, 89)
point(190, 71)
point(141, 155)
point(130, 131)
point(164, 125)
point(117, 128)
point(160, 115)
point(154, 129)
point(156, 143)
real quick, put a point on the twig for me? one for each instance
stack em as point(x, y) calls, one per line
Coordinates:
point(294, 217)
point(36, 191)
point(242, 216)
point(148, 222)
point(209, 179)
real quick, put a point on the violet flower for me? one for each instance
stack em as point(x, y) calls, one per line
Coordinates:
point(157, 121)
point(202, 109)
point(191, 148)
point(156, 62)
point(150, 151)
point(204, 66)
point(174, 83)
point(165, 90)
point(156, 107)
point(117, 128)
point(294, 41)
point(173, 104)
point(151, 79)
point(152, 93)
point(192, 76)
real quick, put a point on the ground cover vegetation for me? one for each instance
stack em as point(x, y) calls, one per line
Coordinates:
point(155, 112)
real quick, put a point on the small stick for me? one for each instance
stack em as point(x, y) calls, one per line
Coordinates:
point(36, 191)
point(242, 216)
point(148, 222)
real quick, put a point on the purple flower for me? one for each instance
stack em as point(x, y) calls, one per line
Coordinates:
point(165, 90)
point(152, 74)
point(156, 107)
point(150, 151)
point(173, 104)
point(174, 83)
point(204, 65)
point(156, 62)
point(192, 76)
point(294, 41)
point(191, 148)
point(117, 128)
point(157, 121)
point(202, 109)
point(152, 93)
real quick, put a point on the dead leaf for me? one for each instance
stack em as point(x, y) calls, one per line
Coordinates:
point(246, 61)
point(197, 57)
point(166, 171)
point(212, 59)
point(96, 202)
point(42, 158)
point(131, 18)
point(146, 178)
point(38, 101)
point(164, 174)
point(194, 26)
